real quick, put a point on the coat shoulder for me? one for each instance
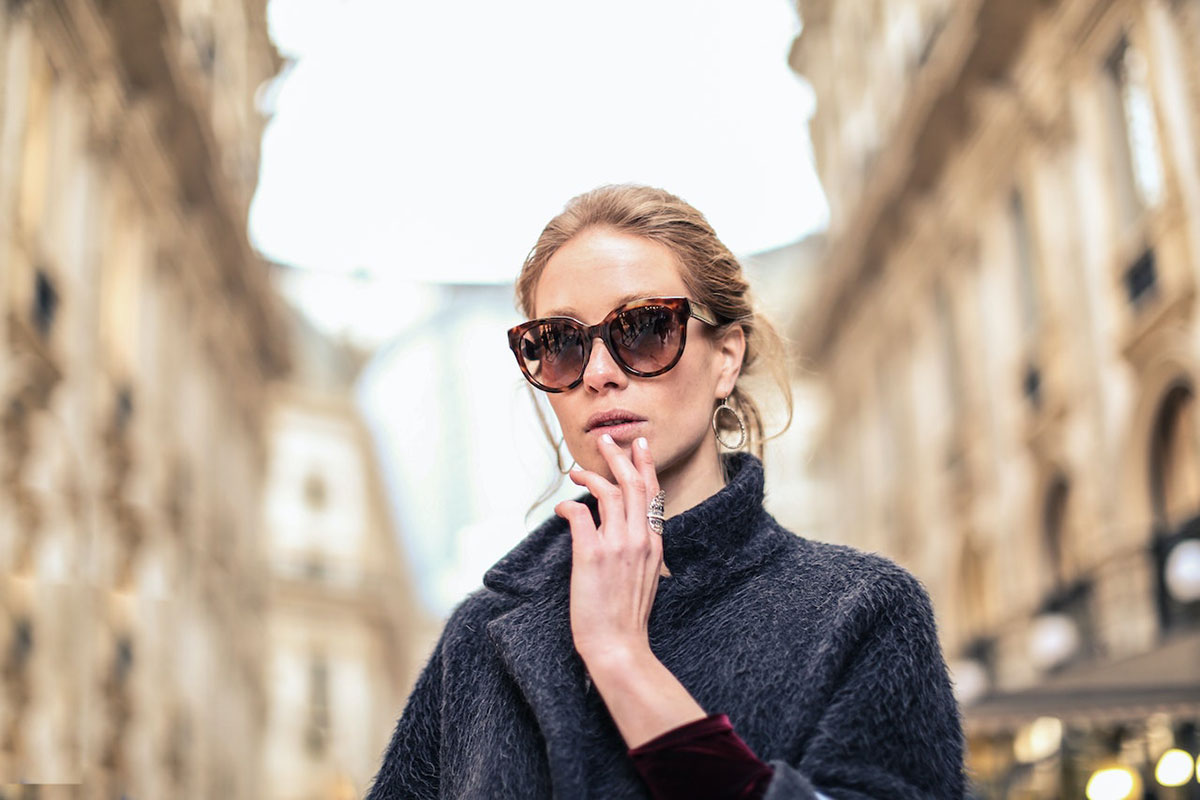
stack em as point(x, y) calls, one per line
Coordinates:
point(841, 571)
point(466, 624)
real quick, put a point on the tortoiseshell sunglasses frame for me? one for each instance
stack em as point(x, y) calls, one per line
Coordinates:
point(682, 307)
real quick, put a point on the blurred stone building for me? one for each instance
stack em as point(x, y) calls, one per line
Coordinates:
point(1006, 326)
point(139, 335)
point(346, 638)
point(142, 351)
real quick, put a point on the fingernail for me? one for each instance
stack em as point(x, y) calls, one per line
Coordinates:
point(606, 438)
point(641, 442)
point(576, 468)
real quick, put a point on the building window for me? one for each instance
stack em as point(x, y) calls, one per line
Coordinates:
point(1028, 266)
point(316, 492)
point(1031, 385)
point(123, 408)
point(1062, 632)
point(20, 646)
point(973, 579)
point(1175, 460)
point(1141, 279)
point(45, 303)
point(1139, 170)
point(316, 733)
point(1175, 501)
point(1055, 522)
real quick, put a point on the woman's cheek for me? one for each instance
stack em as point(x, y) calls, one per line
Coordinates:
point(585, 453)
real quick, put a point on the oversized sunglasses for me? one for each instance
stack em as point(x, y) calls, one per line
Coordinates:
point(645, 337)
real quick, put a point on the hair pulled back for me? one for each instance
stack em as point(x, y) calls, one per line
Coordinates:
point(711, 273)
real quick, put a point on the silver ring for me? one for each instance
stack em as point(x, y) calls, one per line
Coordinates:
point(655, 515)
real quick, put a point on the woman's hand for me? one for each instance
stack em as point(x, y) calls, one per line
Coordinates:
point(614, 568)
point(614, 578)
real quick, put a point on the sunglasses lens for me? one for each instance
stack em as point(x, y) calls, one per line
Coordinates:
point(553, 353)
point(648, 339)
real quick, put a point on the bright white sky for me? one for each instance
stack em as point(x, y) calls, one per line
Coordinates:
point(430, 142)
point(422, 143)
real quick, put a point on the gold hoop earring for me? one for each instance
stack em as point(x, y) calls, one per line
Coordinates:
point(741, 421)
point(558, 457)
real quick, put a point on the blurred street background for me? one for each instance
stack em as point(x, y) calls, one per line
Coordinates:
point(260, 432)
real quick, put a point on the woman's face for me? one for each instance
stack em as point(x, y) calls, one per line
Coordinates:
point(587, 278)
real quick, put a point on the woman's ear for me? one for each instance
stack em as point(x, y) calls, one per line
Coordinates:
point(730, 351)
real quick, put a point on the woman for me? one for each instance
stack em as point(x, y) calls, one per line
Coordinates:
point(610, 655)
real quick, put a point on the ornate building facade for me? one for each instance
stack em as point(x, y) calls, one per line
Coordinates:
point(138, 338)
point(1006, 328)
point(201, 594)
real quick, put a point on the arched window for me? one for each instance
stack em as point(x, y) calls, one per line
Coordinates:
point(1055, 520)
point(1134, 131)
point(1062, 632)
point(1175, 460)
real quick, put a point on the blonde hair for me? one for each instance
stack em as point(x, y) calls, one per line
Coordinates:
point(711, 273)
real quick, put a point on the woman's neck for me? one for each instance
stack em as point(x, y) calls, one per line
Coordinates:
point(692, 480)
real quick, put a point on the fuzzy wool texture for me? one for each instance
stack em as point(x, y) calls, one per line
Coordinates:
point(825, 658)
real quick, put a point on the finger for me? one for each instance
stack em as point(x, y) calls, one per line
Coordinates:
point(608, 499)
point(633, 485)
point(644, 461)
point(579, 517)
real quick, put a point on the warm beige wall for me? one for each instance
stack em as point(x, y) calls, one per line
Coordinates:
point(131, 456)
point(927, 479)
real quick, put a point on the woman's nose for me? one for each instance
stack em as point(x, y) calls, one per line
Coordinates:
point(602, 369)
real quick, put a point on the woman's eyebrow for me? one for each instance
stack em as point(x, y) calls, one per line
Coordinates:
point(567, 311)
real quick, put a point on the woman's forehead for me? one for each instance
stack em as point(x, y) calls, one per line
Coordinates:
point(600, 269)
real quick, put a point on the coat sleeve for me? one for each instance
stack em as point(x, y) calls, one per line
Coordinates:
point(892, 728)
point(411, 767)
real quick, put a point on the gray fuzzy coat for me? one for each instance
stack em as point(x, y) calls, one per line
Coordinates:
point(825, 659)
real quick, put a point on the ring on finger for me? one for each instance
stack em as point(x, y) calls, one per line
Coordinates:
point(654, 517)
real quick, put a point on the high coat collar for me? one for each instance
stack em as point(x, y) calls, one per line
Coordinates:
point(700, 546)
point(702, 538)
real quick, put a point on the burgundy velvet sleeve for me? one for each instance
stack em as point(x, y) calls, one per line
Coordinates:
point(702, 760)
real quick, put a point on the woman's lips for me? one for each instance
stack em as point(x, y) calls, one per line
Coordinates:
point(621, 431)
point(612, 418)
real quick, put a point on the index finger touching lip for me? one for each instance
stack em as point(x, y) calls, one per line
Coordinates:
point(625, 472)
point(644, 461)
